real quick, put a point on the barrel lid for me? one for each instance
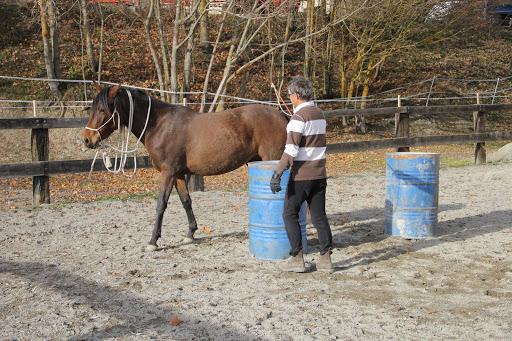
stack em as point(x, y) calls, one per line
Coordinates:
point(263, 163)
point(411, 155)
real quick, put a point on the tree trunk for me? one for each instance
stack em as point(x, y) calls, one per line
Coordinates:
point(308, 49)
point(89, 48)
point(223, 83)
point(152, 49)
point(187, 66)
point(100, 54)
point(174, 52)
point(289, 23)
point(361, 120)
point(204, 30)
point(50, 46)
point(163, 48)
point(212, 58)
point(329, 58)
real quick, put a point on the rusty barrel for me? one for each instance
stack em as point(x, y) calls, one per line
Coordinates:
point(267, 235)
point(412, 192)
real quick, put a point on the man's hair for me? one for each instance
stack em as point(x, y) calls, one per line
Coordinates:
point(302, 87)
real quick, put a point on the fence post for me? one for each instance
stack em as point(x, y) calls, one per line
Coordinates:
point(39, 147)
point(401, 126)
point(479, 118)
point(195, 183)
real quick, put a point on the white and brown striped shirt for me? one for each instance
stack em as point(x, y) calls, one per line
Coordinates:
point(306, 143)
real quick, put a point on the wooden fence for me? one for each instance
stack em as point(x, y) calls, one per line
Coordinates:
point(41, 168)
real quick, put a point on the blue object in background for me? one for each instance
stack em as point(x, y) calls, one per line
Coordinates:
point(412, 192)
point(267, 236)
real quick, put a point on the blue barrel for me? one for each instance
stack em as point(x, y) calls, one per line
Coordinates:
point(267, 236)
point(412, 192)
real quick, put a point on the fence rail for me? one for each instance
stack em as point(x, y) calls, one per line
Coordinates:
point(41, 168)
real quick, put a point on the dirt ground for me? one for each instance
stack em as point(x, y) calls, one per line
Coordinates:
point(78, 271)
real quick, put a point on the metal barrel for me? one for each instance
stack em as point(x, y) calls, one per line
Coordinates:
point(412, 192)
point(267, 235)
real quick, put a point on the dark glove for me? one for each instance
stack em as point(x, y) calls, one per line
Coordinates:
point(275, 183)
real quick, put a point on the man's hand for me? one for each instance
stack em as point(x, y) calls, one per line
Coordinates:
point(275, 183)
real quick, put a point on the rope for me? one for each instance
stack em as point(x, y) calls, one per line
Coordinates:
point(238, 100)
point(280, 98)
point(122, 150)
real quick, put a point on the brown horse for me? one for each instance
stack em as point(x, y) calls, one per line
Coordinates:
point(181, 141)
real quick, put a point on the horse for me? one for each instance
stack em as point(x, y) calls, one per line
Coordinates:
point(181, 141)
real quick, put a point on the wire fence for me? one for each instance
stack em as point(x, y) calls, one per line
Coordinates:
point(433, 91)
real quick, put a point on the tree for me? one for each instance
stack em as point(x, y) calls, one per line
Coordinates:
point(376, 32)
point(51, 49)
point(88, 39)
point(204, 29)
point(156, 59)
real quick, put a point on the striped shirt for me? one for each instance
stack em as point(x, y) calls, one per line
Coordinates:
point(306, 143)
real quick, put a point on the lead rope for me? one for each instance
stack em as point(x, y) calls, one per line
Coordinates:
point(280, 98)
point(121, 151)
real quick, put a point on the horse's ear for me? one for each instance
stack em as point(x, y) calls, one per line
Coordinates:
point(113, 92)
point(96, 86)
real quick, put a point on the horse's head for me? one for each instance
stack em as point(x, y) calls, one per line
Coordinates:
point(102, 121)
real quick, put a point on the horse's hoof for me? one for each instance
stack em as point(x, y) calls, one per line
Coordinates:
point(151, 248)
point(188, 240)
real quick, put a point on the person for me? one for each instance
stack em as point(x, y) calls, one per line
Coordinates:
point(304, 154)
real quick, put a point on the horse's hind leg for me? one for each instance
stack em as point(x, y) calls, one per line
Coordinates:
point(166, 186)
point(181, 186)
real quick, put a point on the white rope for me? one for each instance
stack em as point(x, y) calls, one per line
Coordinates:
point(122, 150)
point(238, 100)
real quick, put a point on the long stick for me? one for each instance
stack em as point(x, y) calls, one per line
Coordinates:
point(280, 98)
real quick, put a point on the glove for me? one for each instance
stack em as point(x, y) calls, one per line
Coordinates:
point(275, 183)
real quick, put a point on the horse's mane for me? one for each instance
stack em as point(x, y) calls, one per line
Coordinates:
point(102, 98)
point(137, 95)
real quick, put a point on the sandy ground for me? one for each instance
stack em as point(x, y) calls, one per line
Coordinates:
point(78, 272)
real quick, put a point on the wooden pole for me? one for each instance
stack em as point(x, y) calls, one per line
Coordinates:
point(401, 126)
point(479, 118)
point(40, 147)
point(195, 183)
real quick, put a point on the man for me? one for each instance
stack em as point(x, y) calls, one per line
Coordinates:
point(305, 154)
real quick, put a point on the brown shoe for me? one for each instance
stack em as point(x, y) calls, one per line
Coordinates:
point(294, 264)
point(324, 263)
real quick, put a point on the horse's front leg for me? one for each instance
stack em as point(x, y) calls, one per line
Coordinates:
point(182, 188)
point(166, 186)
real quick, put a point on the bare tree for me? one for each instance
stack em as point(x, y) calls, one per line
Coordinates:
point(163, 46)
point(88, 39)
point(220, 32)
point(156, 59)
point(51, 49)
point(378, 31)
point(308, 40)
point(244, 35)
point(204, 30)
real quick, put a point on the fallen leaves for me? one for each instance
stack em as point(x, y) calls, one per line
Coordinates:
point(176, 321)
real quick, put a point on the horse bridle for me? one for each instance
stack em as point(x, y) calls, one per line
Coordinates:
point(112, 117)
point(124, 147)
